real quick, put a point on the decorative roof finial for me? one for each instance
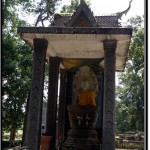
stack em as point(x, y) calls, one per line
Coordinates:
point(120, 14)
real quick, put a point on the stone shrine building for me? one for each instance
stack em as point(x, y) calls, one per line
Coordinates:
point(82, 39)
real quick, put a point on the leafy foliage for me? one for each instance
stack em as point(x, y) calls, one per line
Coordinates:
point(16, 76)
point(45, 10)
point(70, 8)
point(130, 107)
point(11, 8)
point(16, 63)
point(16, 68)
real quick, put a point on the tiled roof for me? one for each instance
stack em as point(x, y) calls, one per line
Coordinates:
point(107, 21)
point(60, 21)
point(102, 21)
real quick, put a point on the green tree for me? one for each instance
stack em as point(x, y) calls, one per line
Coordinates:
point(70, 8)
point(10, 10)
point(16, 82)
point(16, 62)
point(16, 74)
point(16, 67)
point(122, 117)
point(45, 10)
point(130, 107)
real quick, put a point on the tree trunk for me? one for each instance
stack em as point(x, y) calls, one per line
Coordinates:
point(23, 143)
point(12, 134)
point(3, 9)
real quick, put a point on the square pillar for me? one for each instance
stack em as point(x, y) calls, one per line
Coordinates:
point(108, 137)
point(36, 95)
point(54, 63)
point(69, 93)
point(62, 103)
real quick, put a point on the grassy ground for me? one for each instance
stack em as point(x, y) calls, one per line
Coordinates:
point(6, 135)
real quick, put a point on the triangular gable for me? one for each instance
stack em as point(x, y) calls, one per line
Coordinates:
point(82, 17)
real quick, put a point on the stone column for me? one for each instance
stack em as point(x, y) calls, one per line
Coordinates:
point(69, 93)
point(99, 102)
point(54, 63)
point(62, 103)
point(108, 139)
point(36, 95)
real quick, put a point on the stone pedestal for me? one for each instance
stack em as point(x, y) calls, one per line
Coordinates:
point(82, 134)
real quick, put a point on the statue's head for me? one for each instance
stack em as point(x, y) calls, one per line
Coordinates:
point(85, 79)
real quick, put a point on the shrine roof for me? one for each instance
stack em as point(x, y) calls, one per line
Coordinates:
point(102, 21)
point(78, 39)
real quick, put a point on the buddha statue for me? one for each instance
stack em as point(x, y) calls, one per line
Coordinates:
point(83, 115)
point(85, 86)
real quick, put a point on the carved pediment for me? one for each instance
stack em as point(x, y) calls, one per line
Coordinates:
point(83, 17)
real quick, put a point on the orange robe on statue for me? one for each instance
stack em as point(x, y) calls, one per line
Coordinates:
point(87, 98)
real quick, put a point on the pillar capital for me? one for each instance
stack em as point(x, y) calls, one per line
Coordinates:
point(40, 44)
point(109, 45)
point(54, 60)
